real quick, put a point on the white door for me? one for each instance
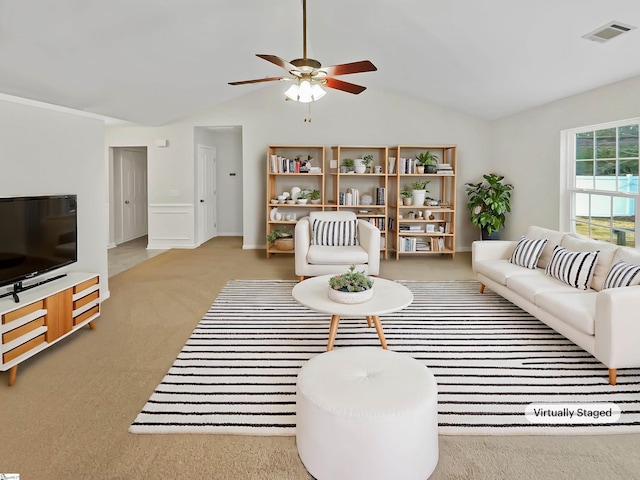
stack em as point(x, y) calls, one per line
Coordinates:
point(134, 194)
point(206, 193)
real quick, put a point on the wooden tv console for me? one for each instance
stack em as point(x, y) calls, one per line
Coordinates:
point(45, 315)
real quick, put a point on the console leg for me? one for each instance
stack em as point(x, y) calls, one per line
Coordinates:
point(12, 374)
point(612, 376)
point(92, 325)
point(482, 288)
point(301, 278)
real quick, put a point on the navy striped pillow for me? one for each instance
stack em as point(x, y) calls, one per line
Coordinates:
point(334, 233)
point(527, 252)
point(573, 268)
point(622, 274)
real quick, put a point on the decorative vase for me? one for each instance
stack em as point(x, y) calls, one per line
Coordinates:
point(407, 200)
point(419, 197)
point(420, 169)
point(350, 297)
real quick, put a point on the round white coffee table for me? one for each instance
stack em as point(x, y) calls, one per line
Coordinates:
point(388, 296)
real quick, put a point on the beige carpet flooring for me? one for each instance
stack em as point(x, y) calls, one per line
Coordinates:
point(68, 413)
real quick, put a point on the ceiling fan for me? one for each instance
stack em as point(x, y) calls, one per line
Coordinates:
point(308, 75)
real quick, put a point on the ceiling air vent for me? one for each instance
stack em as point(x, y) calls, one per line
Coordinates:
point(608, 31)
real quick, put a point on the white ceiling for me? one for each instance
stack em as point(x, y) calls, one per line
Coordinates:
point(152, 61)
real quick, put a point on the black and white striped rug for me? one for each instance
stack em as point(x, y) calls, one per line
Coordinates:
point(237, 372)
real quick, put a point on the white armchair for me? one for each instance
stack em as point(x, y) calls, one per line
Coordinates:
point(319, 254)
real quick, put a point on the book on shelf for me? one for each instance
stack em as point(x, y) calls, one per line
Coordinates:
point(380, 195)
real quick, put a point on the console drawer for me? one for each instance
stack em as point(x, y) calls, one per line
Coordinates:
point(22, 311)
point(83, 316)
point(24, 329)
point(24, 348)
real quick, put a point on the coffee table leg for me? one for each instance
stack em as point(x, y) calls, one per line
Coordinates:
point(368, 320)
point(383, 341)
point(333, 330)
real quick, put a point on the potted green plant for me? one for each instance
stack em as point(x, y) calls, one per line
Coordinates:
point(419, 191)
point(347, 165)
point(280, 239)
point(488, 202)
point(314, 196)
point(405, 196)
point(428, 161)
point(367, 160)
point(351, 287)
point(303, 197)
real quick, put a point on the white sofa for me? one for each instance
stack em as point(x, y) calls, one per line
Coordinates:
point(605, 322)
point(313, 260)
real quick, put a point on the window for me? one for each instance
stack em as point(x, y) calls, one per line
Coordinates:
point(602, 181)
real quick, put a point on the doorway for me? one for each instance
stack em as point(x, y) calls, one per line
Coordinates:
point(129, 205)
point(226, 144)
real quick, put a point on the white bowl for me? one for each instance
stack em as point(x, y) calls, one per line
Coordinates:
point(350, 297)
point(302, 201)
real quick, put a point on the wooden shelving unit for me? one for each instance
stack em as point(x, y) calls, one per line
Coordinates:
point(371, 200)
point(425, 229)
point(282, 178)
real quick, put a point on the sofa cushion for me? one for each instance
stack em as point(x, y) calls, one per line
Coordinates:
point(500, 270)
point(554, 238)
point(627, 254)
point(323, 255)
point(529, 286)
point(527, 252)
point(605, 257)
point(622, 274)
point(575, 308)
point(573, 268)
point(334, 233)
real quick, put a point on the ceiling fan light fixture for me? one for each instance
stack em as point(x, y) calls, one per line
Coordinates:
point(305, 91)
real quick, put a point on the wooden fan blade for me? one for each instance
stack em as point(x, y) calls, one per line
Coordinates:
point(277, 61)
point(258, 80)
point(347, 68)
point(344, 86)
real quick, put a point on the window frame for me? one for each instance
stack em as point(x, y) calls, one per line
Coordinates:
point(568, 189)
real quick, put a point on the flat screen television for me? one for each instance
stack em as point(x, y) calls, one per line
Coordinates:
point(37, 235)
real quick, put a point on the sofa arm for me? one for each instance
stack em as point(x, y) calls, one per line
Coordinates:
point(617, 327)
point(491, 250)
point(369, 237)
point(302, 238)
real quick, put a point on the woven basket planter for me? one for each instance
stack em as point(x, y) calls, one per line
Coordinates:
point(283, 243)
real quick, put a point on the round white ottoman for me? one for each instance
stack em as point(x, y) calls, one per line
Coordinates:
point(367, 413)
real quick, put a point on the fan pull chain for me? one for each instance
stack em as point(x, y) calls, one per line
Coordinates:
point(308, 117)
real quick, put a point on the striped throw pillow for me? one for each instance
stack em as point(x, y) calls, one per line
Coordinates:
point(573, 268)
point(334, 233)
point(622, 274)
point(528, 251)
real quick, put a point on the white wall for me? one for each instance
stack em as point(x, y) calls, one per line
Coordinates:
point(526, 149)
point(42, 152)
point(372, 118)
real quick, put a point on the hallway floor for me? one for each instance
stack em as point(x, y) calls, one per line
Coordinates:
point(128, 254)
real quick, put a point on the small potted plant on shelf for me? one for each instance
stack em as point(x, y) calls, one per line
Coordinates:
point(348, 165)
point(488, 202)
point(428, 161)
point(314, 197)
point(280, 239)
point(303, 197)
point(419, 191)
point(351, 287)
point(405, 196)
point(367, 160)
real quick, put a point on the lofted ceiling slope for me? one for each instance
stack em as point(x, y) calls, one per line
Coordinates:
point(153, 62)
